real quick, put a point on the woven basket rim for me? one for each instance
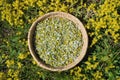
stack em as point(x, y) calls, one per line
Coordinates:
point(64, 15)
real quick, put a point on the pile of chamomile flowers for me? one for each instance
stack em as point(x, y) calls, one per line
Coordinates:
point(58, 41)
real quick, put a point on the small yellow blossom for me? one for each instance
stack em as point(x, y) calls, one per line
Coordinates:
point(9, 63)
point(97, 75)
point(41, 13)
point(39, 3)
point(16, 74)
point(13, 74)
point(10, 72)
point(4, 56)
point(95, 65)
point(40, 74)
point(19, 65)
point(45, 1)
point(106, 21)
point(89, 66)
point(2, 75)
point(22, 55)
point(109, 67)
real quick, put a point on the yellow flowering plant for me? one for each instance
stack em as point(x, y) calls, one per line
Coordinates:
point(102, 64)
point(101, 19)
point(105, 21)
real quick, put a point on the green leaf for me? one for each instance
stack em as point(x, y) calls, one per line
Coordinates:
point(111, 76)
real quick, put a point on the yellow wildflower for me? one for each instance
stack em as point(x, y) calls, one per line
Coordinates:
point(22, 55)
point(16, 74)
point(44, 1)
point(2, 75)
point(109, 67)
point(89, 58)
point(15, 4)
point(13, 74)
point(94, 58)
point(40, 74)
point(4, 56)
point(95, 65)
point(76, 73)
point(91, 7)
point(89, 65)
point(39, 3)
point(9, 63)
point(94, 41)
point(106, 21)
point(10, 72)
point(41, 13)
point(63, 8)
point(19, 65)
point(16, 78)
point(97, 75)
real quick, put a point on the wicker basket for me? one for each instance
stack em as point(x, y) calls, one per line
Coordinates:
point(64, 15)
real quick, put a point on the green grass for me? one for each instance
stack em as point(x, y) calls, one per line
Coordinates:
point(101, 62)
